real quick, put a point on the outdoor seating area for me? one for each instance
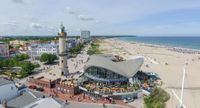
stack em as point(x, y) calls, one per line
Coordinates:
point(108, 89)
point(67, 87)
point(69, 83)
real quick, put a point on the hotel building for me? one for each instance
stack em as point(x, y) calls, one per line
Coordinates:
point(4, 50)
point(85, 34)
point(36, 50)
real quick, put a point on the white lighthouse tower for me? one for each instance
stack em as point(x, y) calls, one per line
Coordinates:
point(63, 51)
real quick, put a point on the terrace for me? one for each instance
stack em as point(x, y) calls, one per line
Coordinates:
point(67, 86)
point(109, 88)
point(142, 81)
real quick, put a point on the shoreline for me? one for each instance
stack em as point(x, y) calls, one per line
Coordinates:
point(170, 48)
point(168, 64)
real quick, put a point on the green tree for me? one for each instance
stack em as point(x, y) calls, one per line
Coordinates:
point(48, 58)
point(10, 46)
point(156, 99)
point(36, 65)
point(1, 64)
point(17, 61)
point(11, 63)
point(94, 49)
point(77, 37)
point(27, 68)
point(22, 57)
point(6, 63)
point(77, 49)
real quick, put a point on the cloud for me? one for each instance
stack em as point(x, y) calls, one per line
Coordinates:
point(36, 26)
point(10, 23)
point(120, 17)
point(51, 29)
point(70, 11)
point(30, 17)
point(85, 18)
point(97, 21)
point(19, 1)
point(80, 16)
point(42, 28)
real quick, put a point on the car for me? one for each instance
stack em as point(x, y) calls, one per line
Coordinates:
point(40, 89)
point(113, 102)
point(135, 97)
point(32, 87)
point(125, 101)
point(128, 100)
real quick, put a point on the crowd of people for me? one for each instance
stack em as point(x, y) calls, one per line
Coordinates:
point(185, 50)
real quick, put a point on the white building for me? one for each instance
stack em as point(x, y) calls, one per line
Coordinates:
point(30, 100)
point(45, 102)
point(85, 34)
point(4, 50)
point(36, 50)
point(10, 90)
point(18, 42)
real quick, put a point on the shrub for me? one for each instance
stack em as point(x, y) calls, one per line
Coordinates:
point(156, 99)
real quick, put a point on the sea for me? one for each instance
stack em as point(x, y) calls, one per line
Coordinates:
point(180, 42)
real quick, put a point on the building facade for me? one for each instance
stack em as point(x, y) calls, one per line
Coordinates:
point(4, 49)
point(36, 50)
point(18, 42)
point(67, 87)
point(110, 76)
point(71, 43)
point(30, 100)
point(85, 34)
point(9, 90)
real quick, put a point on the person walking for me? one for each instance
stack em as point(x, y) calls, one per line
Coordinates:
point(104, 105)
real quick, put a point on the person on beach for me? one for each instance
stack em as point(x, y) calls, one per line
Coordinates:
point(104, 106)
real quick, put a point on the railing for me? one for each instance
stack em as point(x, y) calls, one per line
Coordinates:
point(104, 80)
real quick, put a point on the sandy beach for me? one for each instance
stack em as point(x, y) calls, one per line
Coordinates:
point(167, 63)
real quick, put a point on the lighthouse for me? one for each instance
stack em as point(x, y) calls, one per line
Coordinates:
point(62, 51)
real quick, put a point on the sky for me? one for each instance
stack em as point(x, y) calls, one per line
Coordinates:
point(101, 17)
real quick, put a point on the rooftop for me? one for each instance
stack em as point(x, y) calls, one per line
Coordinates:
point(2, 42)
point(126, 68)
point(51, 74)
point(4, 81)
point(44, 45)
point(44, 102)
point(22, 101)
point(30, 100)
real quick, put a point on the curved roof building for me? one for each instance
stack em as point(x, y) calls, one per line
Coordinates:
point(110, 75)
point(115, 64)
